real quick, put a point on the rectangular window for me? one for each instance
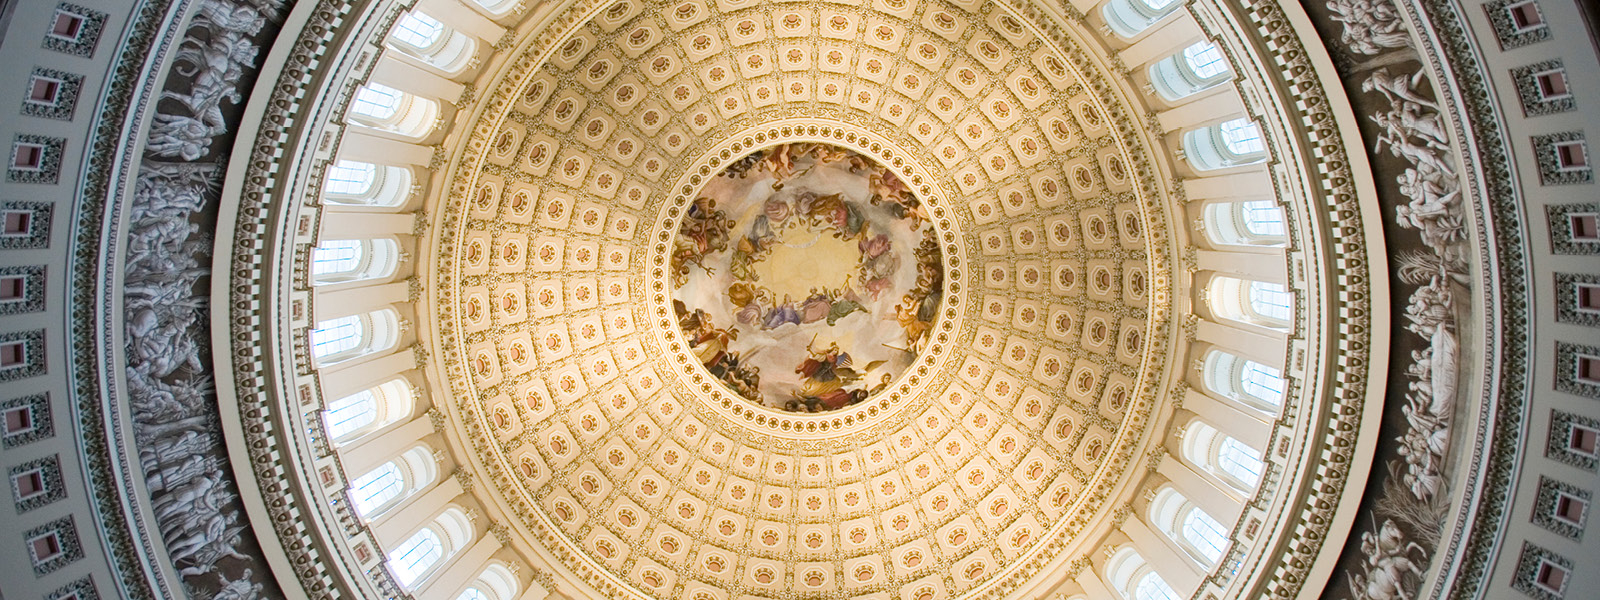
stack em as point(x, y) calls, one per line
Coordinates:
point(1569, 508)
point(1588, 368)
point(1525, 15)
point(13, 354)
point(1584, 440)
point(26, 156)
point(14, 288)
point(29, 484)
point(45, 547)
point(19, 420)
point(1585, 226)
point(1551, 576)
point(17, 222)
point(1588, 297)
point(1572, 156)
point(1552, 85)
point(67, 26)
point(44, 90)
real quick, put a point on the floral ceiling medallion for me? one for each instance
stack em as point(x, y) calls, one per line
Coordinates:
point(806, 277)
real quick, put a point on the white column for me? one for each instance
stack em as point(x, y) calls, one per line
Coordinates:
point(1093, 586)
point(1158, 550)
point(1167, 38)
point(1219, 502)
point(361, 300)
point(1269, 268)
point(461, 569)
point(1201, 108)
point(1087, 7)
point(534, 590)
point(1242, 425)
point(416, 80)
point(348, 225)
point(464, 19)
point(360, 146)
point(366, 454)
point(395, 526)
point(1253, 184)
point(343, 382)
point(1260, 347)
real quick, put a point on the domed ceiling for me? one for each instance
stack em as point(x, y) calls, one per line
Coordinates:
point(804, 298)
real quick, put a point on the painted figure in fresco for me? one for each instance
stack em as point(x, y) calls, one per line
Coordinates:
point(845, 302)
point(704, 232)
point(825, 375)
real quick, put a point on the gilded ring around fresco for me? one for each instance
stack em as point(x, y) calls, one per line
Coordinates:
point(806, 277)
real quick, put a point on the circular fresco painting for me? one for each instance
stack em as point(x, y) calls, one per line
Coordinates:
point(806, 277)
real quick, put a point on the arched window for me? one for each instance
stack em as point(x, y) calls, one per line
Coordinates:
point(378, 102)
point(418, 30)
point(351, 413)
point(1135, 579)
point(1194, 531)
point(1245, 380)
point(1249, 223)
point(1152, 587)
point(495, 583)
point(416, 556)
point(1205, 60)
point(382, 107)
point(347, 178)
point(1242, 137)
point(338, 261)
point(366, 184)
point(1228, 144)
point(1205, 534)
point(1248, 301)
point(1222, 455)
point(425, 38)
point(1240, 461)
point(337, 256)
point(1261, 218)
point(344, 338)
point(1129, 18)
point(387, 484)
point(368, 410)
point(1196, 68)
point(377, 488)
point(335, 336)
point(1270, 302)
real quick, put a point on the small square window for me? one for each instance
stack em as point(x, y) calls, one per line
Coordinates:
point(1570, 508)
point(17, 222)
point(1588, 297)
point(1588, 369)
point(1584, 440)
point(1552, 577)
point(1572, 156)
point(44, 90)
point(29, 484)
point(19, 420)
point(1552, 85)
point(45, 547)
point(13, 288)
point(1585, 227)
point(27, 157)
point(67, 26)
point(13, 354)
point(1525, 15)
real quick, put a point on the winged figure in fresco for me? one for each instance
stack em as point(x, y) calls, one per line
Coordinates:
point(826, 375)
